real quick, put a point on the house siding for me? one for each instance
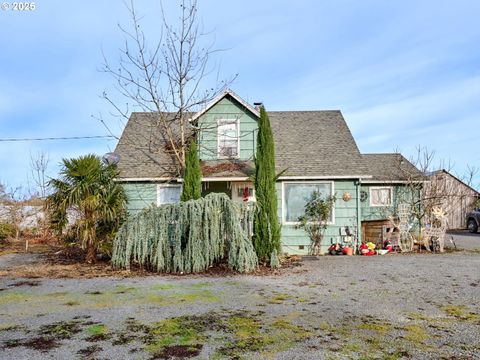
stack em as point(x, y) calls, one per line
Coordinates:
point(345, 215)
point(377, 212)
point(227, 108)
point(140, 196)
point(400, 192)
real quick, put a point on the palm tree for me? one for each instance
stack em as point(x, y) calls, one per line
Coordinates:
point(87, 186)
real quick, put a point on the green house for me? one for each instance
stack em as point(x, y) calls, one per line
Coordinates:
point(314, 150)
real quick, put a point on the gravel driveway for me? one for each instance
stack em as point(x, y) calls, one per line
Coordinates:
point(422, 306)
point(463, 240)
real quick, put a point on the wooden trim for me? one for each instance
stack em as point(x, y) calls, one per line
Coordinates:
point(220, 97)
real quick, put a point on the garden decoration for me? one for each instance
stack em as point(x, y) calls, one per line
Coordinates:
point(406, 239)
point(188, 237)
point(336, 249)
point(435, 232)
point(346, 196)
point(367, 249)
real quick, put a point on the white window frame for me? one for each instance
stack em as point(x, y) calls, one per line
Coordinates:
point(160, 186)
point(390, 188)
point(284, 207)
point(237, 122)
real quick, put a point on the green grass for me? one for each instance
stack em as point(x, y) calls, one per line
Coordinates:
point(14, 297)
point(416, 334)
point(97, 329)
point(279, 298)
point(180, 331)
point(162, 287)
point(460, 312)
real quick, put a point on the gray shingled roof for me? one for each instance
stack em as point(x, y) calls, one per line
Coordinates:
point(392, 167)
point(140, 147)
point(315, 143)
point(307, 143)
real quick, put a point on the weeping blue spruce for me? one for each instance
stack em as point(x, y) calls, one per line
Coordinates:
point(188, 237)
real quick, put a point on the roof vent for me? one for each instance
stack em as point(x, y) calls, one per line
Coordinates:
point(258, 105)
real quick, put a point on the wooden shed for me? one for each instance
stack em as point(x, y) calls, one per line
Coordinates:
point(455, 197)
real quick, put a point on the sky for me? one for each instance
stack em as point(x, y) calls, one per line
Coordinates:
point(404, 73)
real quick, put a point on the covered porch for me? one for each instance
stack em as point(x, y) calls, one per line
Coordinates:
point(238, 190)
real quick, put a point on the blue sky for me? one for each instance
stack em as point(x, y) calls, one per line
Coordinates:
point(404, 73)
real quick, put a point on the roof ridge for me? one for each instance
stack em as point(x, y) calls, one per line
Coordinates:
point(383, 153)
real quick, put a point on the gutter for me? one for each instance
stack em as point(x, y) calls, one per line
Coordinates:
point(146, 179)
point(325, 177)
point(359, 214)
point(212, 179)
point(246, 178)
point(396, 181)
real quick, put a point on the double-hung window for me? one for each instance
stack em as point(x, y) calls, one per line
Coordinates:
point(381, 196)
point(228, 138)
point(168, 193)
point(297, 194)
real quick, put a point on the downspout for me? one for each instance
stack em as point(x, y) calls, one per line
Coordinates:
point(359, 213)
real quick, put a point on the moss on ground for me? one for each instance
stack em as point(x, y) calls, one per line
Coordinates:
point(278, 298)
point(460, 312)
point(160, 294)
point(97, 329)
point(416, 334)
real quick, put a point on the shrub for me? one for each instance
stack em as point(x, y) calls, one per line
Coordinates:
point(6, 231)
point(318, 210)
point(188, 237)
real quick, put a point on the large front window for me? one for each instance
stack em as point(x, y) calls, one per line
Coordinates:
point(228, 138)
point(296, 196)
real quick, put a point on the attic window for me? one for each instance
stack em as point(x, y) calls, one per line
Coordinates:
point(228, 132)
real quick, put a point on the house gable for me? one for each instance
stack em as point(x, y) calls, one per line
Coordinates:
point(228, 108)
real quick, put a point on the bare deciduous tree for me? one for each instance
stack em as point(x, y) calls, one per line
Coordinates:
point(433, 189)
point(165, 79)
point(38, 172)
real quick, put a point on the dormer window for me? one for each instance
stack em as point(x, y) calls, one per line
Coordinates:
point(228, 134)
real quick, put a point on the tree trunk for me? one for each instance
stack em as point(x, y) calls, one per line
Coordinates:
point(91, 253)
point(91, 250)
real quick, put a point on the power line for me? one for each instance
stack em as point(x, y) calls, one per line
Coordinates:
point(59, 138)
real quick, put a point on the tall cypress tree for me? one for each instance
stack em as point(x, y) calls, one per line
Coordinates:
point(266, 227)
point(192, 177)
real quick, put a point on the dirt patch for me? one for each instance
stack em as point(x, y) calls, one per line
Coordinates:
point(89, 351)
point(41, 343)
point(178, 352)
point(62, 330)
point(25, 283)
point(61, 262)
